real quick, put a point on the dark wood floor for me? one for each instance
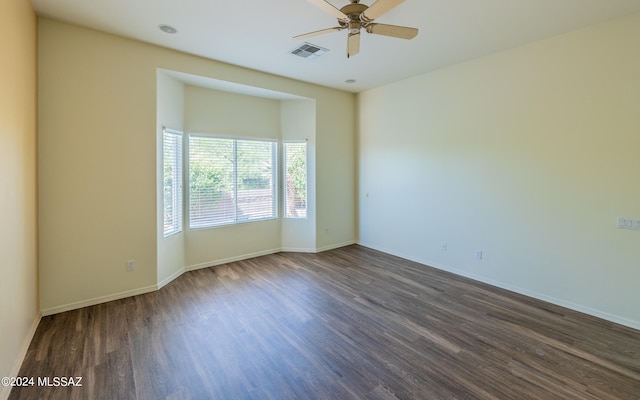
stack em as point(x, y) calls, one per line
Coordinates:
point(350, 323)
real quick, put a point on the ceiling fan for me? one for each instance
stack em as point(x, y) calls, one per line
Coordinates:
point(356, 16)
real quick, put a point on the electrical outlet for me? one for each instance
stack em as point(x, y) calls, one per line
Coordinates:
point(479, 255)
point(131, 265)
point(443, 246)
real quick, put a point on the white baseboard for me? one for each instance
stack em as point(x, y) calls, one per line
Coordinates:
point(266, 252)
point(98, 300)
point(171, 278)
point(177, 274)
point(562, 303)
point(335, 246)
point(298, 250)
point(316, 249)
point(549, 299)
point(15, 369)
point(213, 263)
point(540, 296)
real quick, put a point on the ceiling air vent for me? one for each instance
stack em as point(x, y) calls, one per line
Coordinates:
point(308, 50)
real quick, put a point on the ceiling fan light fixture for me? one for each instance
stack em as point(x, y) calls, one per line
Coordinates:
point(354, 26)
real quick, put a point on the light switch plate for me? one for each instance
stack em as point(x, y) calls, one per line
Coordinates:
point(628, 223)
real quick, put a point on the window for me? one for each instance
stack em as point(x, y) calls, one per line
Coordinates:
point(295, 186)
point(230, 180)
point(172, 181)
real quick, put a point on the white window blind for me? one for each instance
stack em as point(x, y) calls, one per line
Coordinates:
point(295, 183)
point(230, 180)
point(172, 181)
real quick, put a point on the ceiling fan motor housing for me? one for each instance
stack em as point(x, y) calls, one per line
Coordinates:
point(353, 10)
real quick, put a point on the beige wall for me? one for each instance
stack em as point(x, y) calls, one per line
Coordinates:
point(224, 113)
point(298, 122)
point(202, 110)
point(170, 115)
point(18, 229)
point(97, 161)
point(335, 174)
point(527, 155)
point(97, 148)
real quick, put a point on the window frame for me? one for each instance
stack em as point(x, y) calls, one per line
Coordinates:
point(177, 194)
point(285, 203)
point(235, 139)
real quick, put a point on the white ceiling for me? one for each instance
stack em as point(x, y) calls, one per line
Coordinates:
point(257, 34)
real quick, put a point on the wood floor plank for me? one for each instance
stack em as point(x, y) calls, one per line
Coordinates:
point(350, 323)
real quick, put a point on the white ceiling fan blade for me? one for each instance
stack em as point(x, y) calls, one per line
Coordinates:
point(316, 33)
point(328, 7)
point(379, 8)
point(401, 32)
point(353, 44)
